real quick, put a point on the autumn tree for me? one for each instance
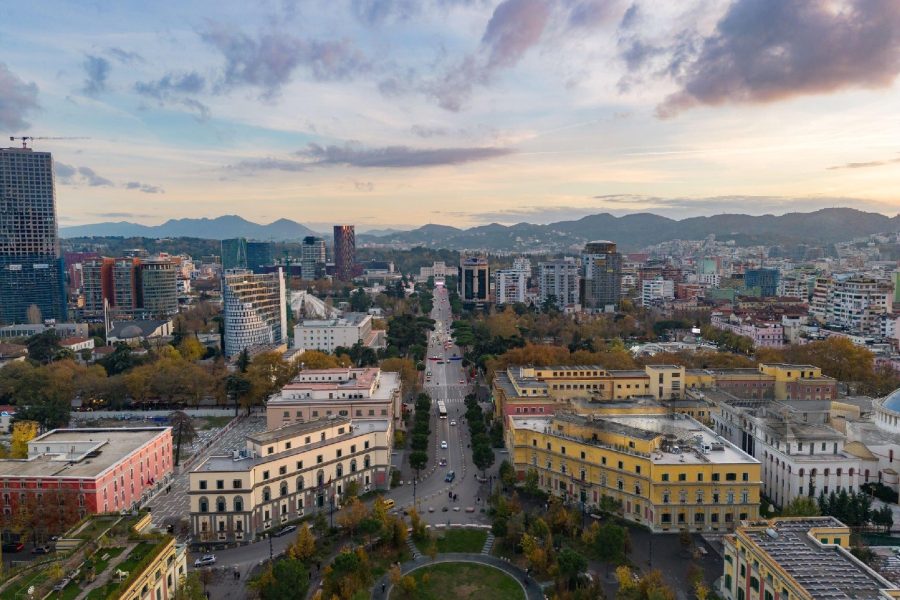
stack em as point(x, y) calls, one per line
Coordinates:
point(409, 375)
point(304, 547)
point(22, 433)
point(352, 515)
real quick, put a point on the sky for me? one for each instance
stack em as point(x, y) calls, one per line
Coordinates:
point(399, 113)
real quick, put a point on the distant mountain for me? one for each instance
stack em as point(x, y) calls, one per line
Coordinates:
point(635, 231)
point(220, 228)
point(631, 232)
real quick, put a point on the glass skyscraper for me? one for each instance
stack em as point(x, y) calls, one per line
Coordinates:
point(31, 267)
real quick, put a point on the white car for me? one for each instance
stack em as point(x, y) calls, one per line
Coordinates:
point(205, 561)
point(453, 422)
point(444, 445)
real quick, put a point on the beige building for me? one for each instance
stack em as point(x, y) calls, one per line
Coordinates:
point(284, 474)
point(358, 393)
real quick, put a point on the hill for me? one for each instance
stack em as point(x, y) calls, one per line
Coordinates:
point(220, 228)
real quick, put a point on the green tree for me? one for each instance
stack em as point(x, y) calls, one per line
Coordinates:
point(612, 543)
point(185, 433)
point(801, 506)
point(482, 456)
point(418, 460)
point(190, 587)
point(570, 563)
point(507, 474)
point(43, 347)
point(287, 578)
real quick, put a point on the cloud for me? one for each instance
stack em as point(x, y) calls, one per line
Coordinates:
point(64, 173)
point(124, 56)
point(364, 186)
point(865, 165)
point(144, 187)
point(69, 175)
point(425, 131)
point(96, 69)
point(92, 178)
point(397, 157)
point(269, 60)
point(515, 27)
point(267, 164)
point(17, 100)
point(376, 12)
point(769, 50)
point(174, 89)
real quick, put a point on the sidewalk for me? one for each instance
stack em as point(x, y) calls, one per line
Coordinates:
point(108, 573)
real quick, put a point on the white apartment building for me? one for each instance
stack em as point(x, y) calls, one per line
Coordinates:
point(799, 453)
point(340, 332)
point(709, 279)
point(254, 308)
point(523, 264)
point(285, 474)
point(559, 280)
point(357, 392)
point(818, 304)
point(858, 303)
point(657, 290)
point(510, 286)
point(792, 287)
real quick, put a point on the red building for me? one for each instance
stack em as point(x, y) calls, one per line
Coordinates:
point(72, 472)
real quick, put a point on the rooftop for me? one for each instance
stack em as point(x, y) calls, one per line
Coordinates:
point(98, 450)
point(345, 320)
point(826, 572)
point(289, 431)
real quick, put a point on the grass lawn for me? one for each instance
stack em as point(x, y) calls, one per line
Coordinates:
point(97, 526)
point(457, 540)
point(100, 563)
point(103, 592)
point(214, 422)
point(462, 581)
point(22, 584)
point(139, 552)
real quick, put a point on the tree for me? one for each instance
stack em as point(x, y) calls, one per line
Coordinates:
point(191, 349)
point(409, 375)
point(482, 456)
point(304, 547)
point(283, 579)
point(352, 515)
point(243, 361)
point(189, 587)
point(611, 543)
point(44, 346)
point(408, 586)
point(184, 431)
point(507, 474)
point(571, 563)
point(22, 433)
point(531, 481)
point(801, 506)
point(418, 460)
point(360, 301)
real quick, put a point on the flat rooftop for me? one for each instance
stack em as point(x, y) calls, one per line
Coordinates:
point(110, 444)
point(825, 572)
point(345, 320)
point(226, 463)
point(289, 431)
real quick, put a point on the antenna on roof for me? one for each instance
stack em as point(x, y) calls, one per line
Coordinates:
point(25, 139)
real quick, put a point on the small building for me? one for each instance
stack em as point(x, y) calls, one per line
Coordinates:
point(285, 474)
point(805, 558)
point(12, 353)
point(345, 331)
point(137, 331)
point(77, 344)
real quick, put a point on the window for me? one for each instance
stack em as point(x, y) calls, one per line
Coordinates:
point(582, 456)
point(340, 453)
point(220, 504)
point(745, 476)
point(300, 484)
point(282, 470)
point(637, 469)
point(730, 476)
point(265, 475)
point(682, 477)
point(620, 465)
point(319, 459)
point(220, 484)
point(665, 497)
point(284, 488)
point(267, 494)
point(699, 476)
point(299, 465)
point(236, 484)
point(202, 485)
point(715, 476)
point(665, 476)
point(366, 444)
point(238, 504)
point(204, 505)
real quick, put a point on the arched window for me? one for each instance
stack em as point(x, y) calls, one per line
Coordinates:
point(852, 471)
point(353, 466)
point(267, 494)
point(366, 462)
point(802, 471)
point(204, 505)
point(340, 470)
point(238, 504)
point(284, 488)
point(220, 504)
point(300, 485)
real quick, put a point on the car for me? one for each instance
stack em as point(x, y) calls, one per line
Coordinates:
point(453, 422)
point(430, 509)
point(444, 509)
point(432, 358)
point(205, 560)
point(443, 444)
point(41, 550)
point(285, 530)
point(61, 584)
point(13, 547)
point(462, 382)
point(450, 476)
point(443, 462)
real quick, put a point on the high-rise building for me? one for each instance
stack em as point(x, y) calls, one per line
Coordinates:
point(126, 284)
point(159, 288)
point(96, 283)
point(31, 268)
point(474, 280)
point(657, 290)
point(601, 278)
point(255, 310)
point(558, 283)
point(344, 252)
point(259, 255)
point(765, 279)
point(234, 254)
point(510, 286)
point(312, 257)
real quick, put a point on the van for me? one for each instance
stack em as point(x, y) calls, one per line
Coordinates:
point(388, 503)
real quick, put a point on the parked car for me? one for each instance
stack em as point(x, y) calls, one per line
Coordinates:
point(286, 530)
point(443, 444)
point(41, 550)
point(205, 561)
point(13, 547)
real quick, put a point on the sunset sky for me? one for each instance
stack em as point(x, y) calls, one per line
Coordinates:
point(398, 113)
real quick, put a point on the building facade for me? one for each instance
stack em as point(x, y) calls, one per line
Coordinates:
point(90, 470)
point(657, 291)
point(857, 303)
point(474, 280)
point(356, 392)
point(601, 277)
point(255, 310)
point(802, 558)
point(558, 283)
point(32, 272)
point(340, 332)
point(312, 258)
point(259, 256)
point(344, 252)
point(159, 288)
point(285, 474)
point(234, 254)
point(764, 279)
point(667, 472)
point(510, 286)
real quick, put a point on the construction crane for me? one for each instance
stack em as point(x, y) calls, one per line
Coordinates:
point(24, 139)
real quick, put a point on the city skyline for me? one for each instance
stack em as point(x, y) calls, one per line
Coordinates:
point(457, 112)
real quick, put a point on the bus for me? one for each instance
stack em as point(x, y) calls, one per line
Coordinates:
point(442, 409)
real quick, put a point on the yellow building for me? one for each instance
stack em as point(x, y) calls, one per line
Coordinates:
point(160, 578)
point(668, 471)
point(804, 558)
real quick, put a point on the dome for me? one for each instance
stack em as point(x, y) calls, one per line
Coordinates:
point(132, 331)
point(892, 402)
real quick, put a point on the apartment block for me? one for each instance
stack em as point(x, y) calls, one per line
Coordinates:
point(340, 332)
point(510, 286)
point(558, 282)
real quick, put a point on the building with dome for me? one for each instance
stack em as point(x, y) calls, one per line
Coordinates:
point(887, 412)
point(135, 332)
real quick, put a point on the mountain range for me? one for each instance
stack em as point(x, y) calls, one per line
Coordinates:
point(631, 232)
